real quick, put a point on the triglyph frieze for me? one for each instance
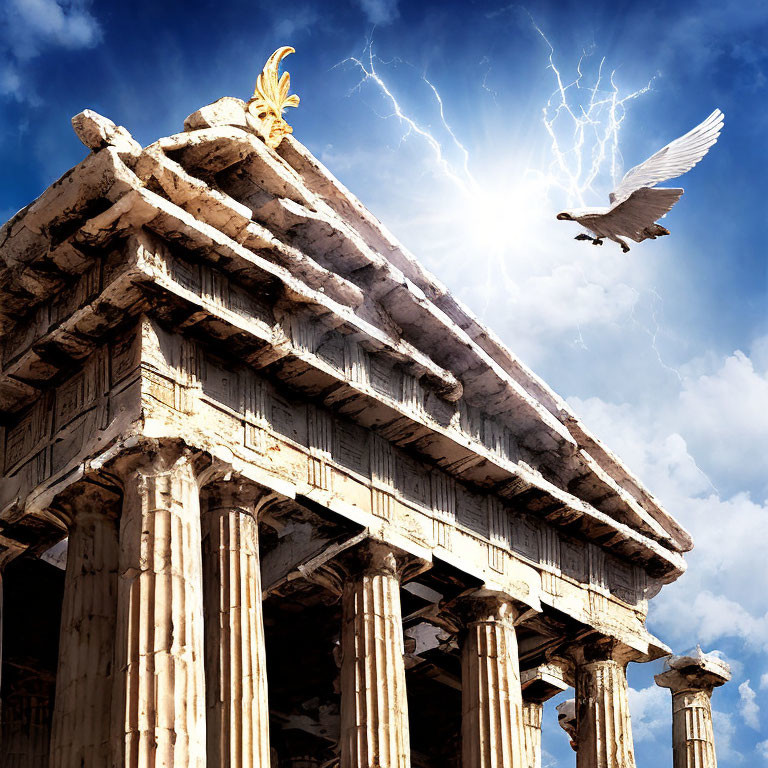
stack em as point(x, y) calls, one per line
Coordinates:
point(335, 446)
point(238, 405)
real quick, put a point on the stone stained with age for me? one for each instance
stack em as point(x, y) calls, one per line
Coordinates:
point(374, 705)
point(603, 729)
point(159, 700)
point(236, 676)
point(80, 731)
point(492, 706)
point(532, 718)
point(691, 680)
point(692, 730)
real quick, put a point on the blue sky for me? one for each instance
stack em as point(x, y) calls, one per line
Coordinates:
point(663, 352)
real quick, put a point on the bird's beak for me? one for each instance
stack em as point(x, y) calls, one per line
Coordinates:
point(563, 217)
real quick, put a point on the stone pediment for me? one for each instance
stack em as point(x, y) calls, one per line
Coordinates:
point(266, 254)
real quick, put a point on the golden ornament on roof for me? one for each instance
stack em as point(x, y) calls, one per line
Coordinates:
point(270, 98)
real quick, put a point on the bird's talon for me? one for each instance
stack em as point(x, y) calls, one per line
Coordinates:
point(597, 241)
point(582, 236)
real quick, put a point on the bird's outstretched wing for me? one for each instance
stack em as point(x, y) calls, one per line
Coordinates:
point(673, 160)
point(639, 211)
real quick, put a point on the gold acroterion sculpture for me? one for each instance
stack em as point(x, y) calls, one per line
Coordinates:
point(270, 98)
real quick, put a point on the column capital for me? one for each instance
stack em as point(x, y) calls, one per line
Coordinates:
point(697, 672)
point(94, 496)
point(237, 493)
point(148, 456)
point(595, 649)
point(369, 557)
point(485, 606)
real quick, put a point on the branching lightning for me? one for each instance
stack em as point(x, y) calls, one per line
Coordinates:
point(582, 118)
point(461, 177)
point(592, 126)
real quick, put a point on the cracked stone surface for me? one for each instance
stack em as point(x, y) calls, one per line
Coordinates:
point(226, 382)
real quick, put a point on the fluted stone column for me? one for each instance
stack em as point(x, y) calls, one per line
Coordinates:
point(159, 694)
point(492, 729)
point(237, 710)
point(374, 706)
point(603, 728)
point(691, 680)
point(81, 717)
point(532, 716)
point(539, 684)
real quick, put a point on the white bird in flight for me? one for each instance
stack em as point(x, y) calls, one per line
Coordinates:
point(636, 204)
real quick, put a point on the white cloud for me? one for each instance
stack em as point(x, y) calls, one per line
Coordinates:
point(683, 612)
point(764, 682)
point(650, 711)
point(724, 416)
point(29, 28)
point(716, 598)
point(379, 11)
point(33, 25)
point(719, 416)
point(762, 749)
point(725, 731)
point(748, 706)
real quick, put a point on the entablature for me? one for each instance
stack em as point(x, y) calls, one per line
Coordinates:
point(222, 239)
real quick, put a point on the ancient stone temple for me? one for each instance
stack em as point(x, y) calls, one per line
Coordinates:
point(312, 512)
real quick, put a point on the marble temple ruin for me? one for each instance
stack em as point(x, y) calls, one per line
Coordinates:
point(271, 496)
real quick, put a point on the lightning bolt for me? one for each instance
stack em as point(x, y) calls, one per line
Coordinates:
point(590, 120)
point(582, 117)
point(461, 177)
point(653, 334)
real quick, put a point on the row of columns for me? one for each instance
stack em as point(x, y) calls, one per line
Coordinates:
point(162, 659)
point(143, 625)
point(691, 680)
point(162, 642)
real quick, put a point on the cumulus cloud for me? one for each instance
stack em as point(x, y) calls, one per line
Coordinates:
point(762, 749)
point(716, 598)
point(684, 612)
point(379, 11)
point(650, 711)
point(36, 24)
point(29, 28)
point(726, 731)
point(720, 416)
point(724, 416)
point(748, 706)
